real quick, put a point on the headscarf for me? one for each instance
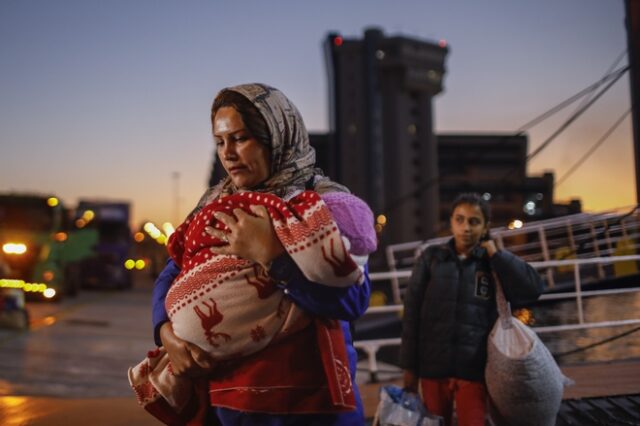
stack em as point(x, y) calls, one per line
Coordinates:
point(292, 157)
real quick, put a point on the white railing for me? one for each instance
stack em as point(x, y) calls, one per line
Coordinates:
point(371, 347)
point(583, 235)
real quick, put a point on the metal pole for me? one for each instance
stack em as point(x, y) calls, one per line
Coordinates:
point(576, 273)
point(632, 8)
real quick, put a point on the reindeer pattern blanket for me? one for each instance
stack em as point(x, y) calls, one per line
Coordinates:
point(229, 306)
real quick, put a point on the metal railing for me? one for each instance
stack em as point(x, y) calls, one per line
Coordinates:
point(371, 346)
point(579, 236)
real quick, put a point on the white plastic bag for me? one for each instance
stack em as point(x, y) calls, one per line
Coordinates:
point(524, 382)
point(398, 407)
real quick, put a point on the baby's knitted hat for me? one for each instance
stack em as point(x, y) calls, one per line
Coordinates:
point(355, 220)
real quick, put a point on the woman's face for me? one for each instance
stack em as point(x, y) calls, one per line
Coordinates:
point(247, 161)
point(468, 226)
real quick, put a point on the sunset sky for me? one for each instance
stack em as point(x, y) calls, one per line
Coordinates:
point(110, 99)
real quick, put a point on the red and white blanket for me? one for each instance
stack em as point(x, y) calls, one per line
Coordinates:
point(230, 306)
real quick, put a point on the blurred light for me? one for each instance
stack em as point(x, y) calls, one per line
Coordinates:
point(130, 264)
point(138, 237)
point(162, 239)
point(14, 248)
point(9, 283)
point(88, 215)
point(525, 316)
point(380, 54)
point(152, 230)
point(337, 41)
point(486, 196)
point(412, 129)
point(49, 293)
point(168, 229)
point(80, 223)
point(29, 287)
point(515, 224)
point(60, 236)
point(378, 228)
point(50, 320)
point(442, 43)
point(539, 196)
point(140, 264)
point(52, 201)
point(381, 219)
point(48, 276)
point(530, 208)
point(377, 298)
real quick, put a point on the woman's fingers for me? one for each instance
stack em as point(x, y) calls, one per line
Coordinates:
point(260, 211)
point(217, 233)
point(201, 357)
point(229, 221)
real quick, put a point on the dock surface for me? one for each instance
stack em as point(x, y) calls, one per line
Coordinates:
point(598, 379)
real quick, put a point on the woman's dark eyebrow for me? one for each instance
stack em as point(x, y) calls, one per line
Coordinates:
point(232, 132)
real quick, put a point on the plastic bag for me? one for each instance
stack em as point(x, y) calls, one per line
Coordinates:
point(524, 382)
point(398, 407)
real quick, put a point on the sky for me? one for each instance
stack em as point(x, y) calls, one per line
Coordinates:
point(111, 99)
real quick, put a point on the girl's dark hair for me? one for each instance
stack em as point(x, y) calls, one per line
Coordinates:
point(474, 199)
point(251, 117)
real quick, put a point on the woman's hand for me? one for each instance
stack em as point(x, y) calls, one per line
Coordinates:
point(250, 237)
point(186, 358)
point(410, 381)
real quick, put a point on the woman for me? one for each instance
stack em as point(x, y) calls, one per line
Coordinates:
point(450, 308)
point(263, 145)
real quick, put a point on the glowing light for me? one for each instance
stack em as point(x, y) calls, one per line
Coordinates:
point(378, 298)
point(530, 208)
point(50, 320)
point(168, 229)
point(378, 228)
point(138, 237)
point(442, 43)
point(14, 248)
point(337, 41)
point(152, 230)
point(162, 239)
point(8, 283)
point(60, 236)
point(80, 223)
point(52, 201)
point(88, 215)
point(140, 264)
point(381, 219)
point(515, 224)
point(49, 293)
point(20, 284)
point(129, 264)
point(48, 276)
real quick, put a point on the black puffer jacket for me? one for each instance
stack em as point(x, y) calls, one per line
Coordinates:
point(450, 308)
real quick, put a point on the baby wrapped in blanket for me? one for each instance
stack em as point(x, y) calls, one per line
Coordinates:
point(229, 306)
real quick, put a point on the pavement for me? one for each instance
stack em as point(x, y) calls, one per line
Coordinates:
point(70, 367)
point(48, 411)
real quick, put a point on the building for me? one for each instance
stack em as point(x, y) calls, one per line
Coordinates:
point(495, 165)
point(382, 144)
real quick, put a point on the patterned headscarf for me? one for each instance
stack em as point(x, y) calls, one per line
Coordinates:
point(292, 157)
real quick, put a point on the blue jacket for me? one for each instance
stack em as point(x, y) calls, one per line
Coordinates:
point(345, 304)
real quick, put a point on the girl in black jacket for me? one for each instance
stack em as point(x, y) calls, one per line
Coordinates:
point(450, 308)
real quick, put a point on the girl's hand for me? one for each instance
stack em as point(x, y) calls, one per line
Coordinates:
point(410, 381)
point(489, 246)
point(250, 237)
point(186, 358)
